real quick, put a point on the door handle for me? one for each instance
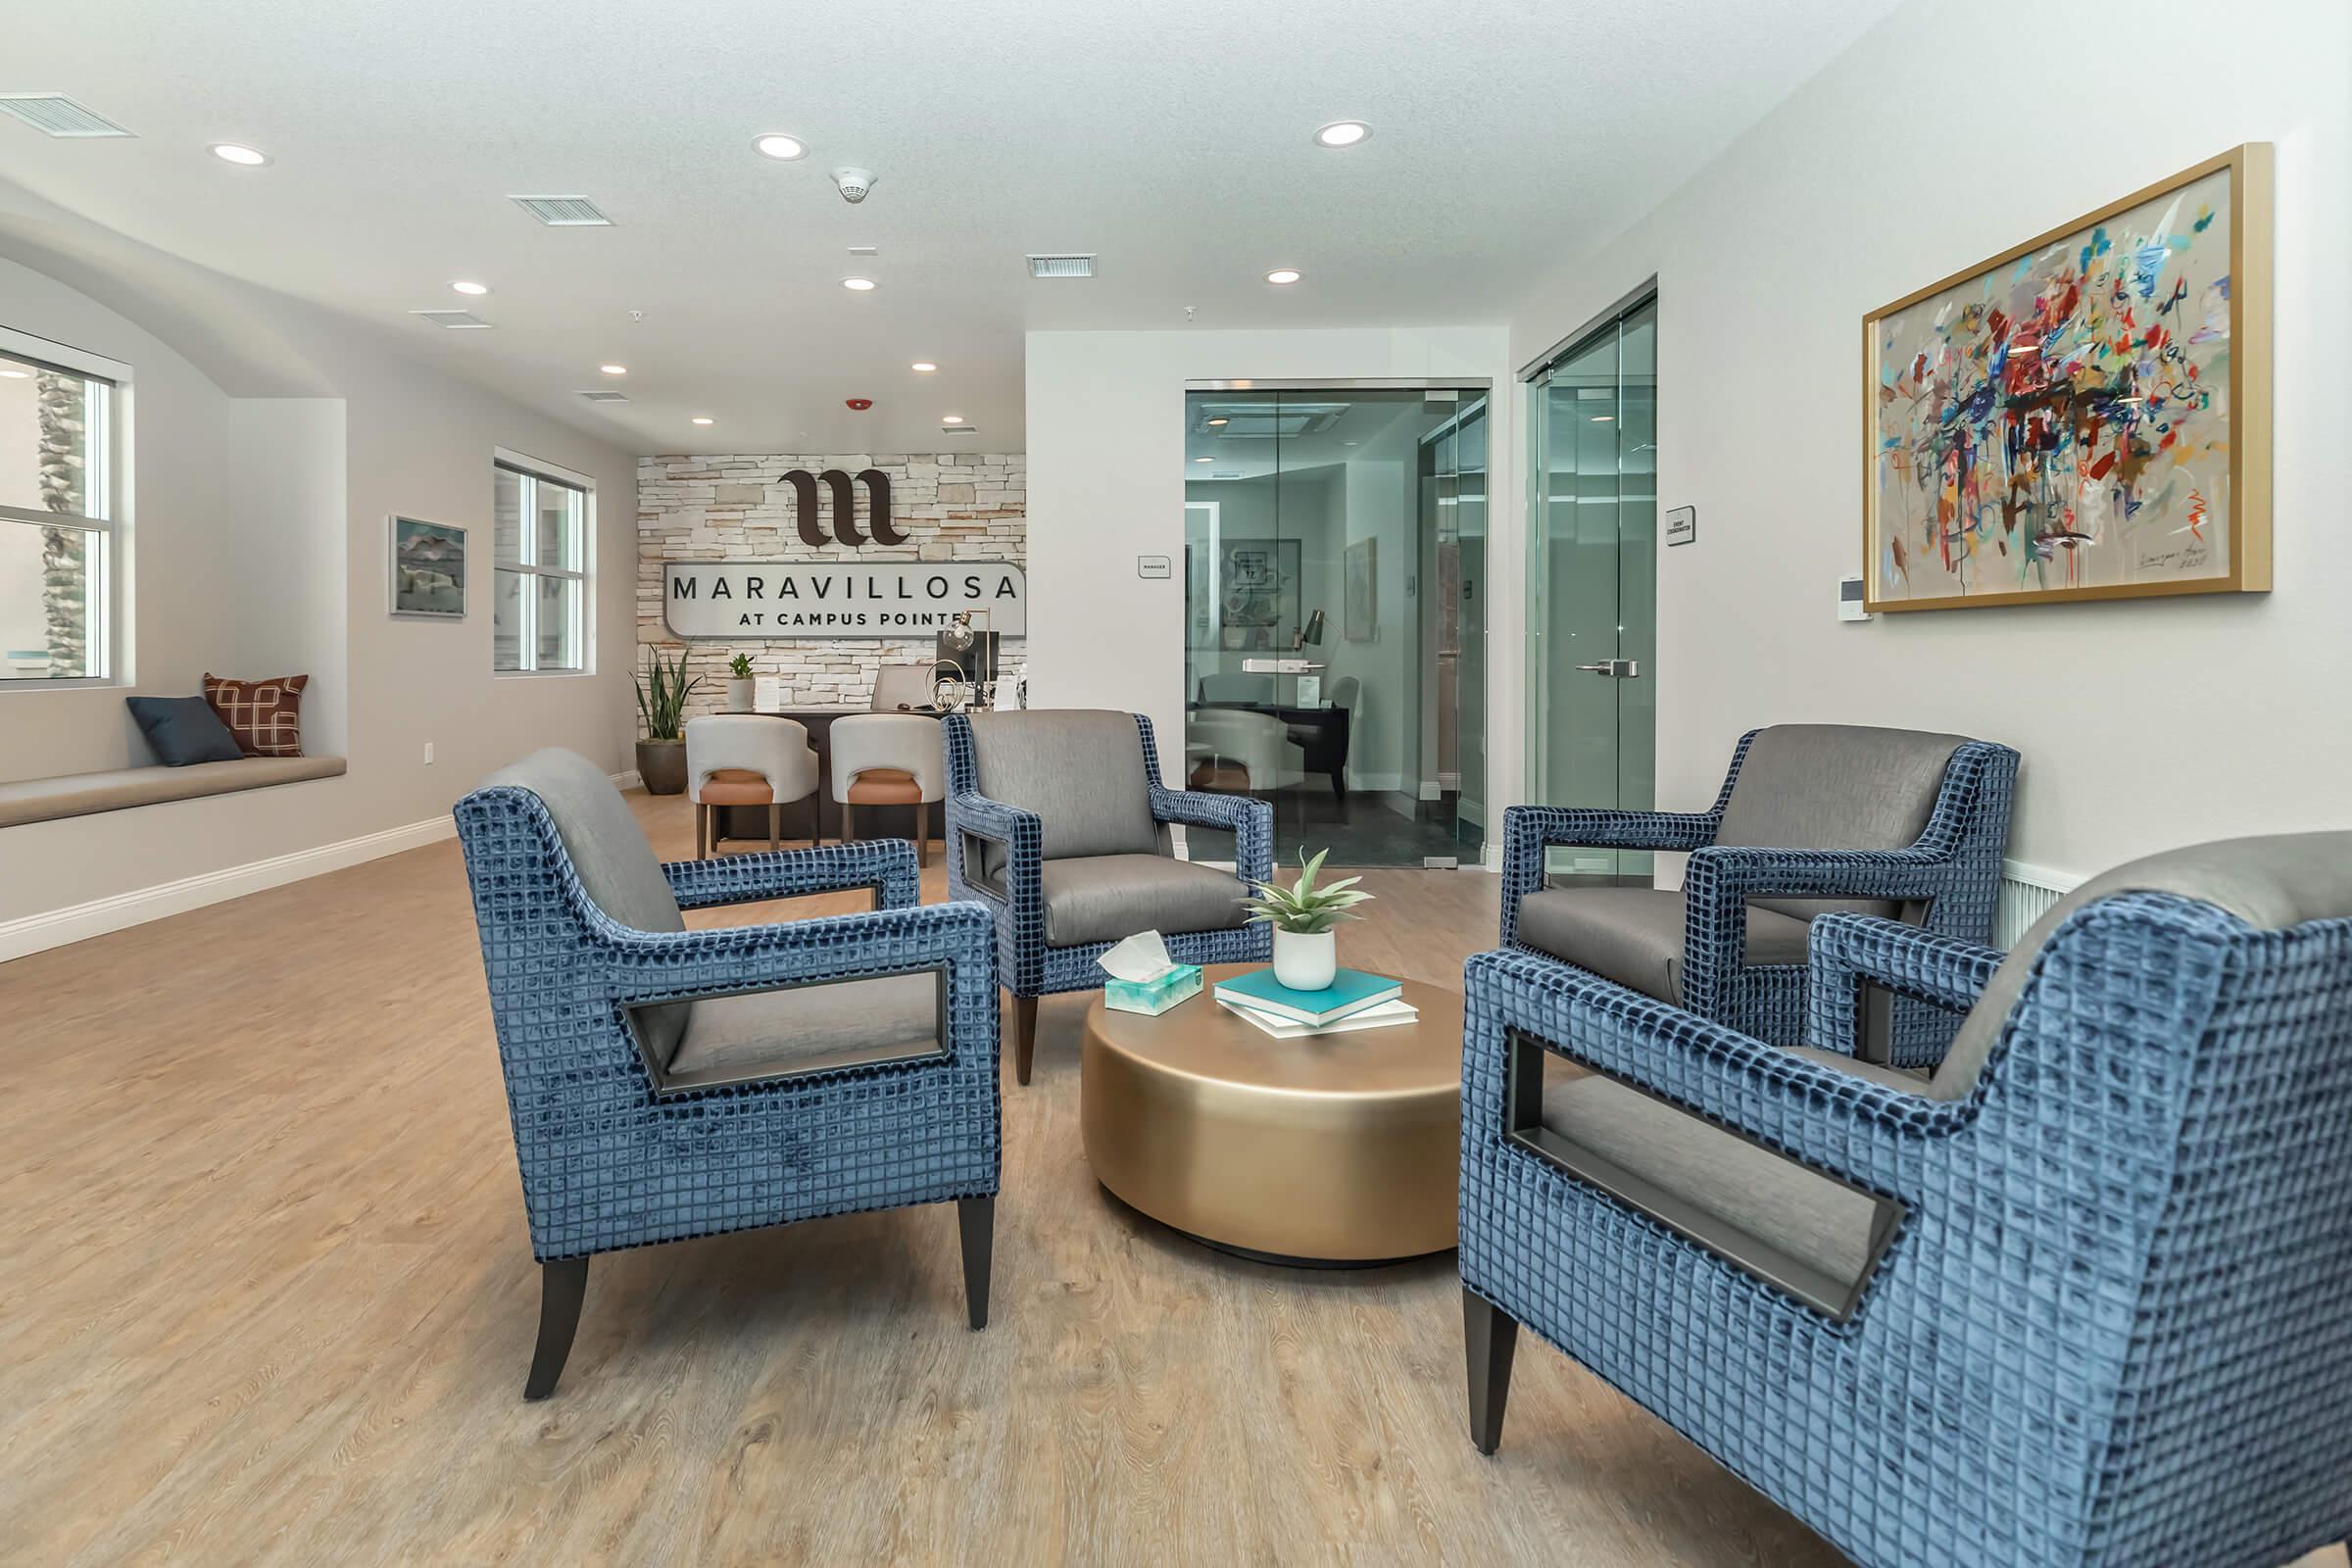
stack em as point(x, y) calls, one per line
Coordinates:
point(1615, 668)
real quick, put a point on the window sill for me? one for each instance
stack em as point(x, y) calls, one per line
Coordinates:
point(79, 683)
point(541, 674)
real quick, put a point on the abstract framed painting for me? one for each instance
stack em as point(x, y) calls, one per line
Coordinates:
point(429, 570)
point(2084, 417)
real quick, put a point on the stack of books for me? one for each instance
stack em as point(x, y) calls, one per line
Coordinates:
point(1354, 1001)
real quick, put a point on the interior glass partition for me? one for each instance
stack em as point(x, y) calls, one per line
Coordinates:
point(1592, 584)
point(1334, 618)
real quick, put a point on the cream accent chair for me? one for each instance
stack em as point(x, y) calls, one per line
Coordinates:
point(1258, 745)
point(901, 688)
point(748, 760)
point(888, 760)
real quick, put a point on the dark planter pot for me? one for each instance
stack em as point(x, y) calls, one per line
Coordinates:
point(663, 766)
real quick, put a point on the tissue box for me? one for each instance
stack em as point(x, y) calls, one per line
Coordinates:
point(1153, 996)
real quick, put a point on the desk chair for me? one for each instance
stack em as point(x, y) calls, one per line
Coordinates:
point(748, 760)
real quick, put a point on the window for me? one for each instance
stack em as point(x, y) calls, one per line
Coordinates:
point(57, 519)
point(543, 526)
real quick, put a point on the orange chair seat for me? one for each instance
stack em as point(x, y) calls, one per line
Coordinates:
point(736, 786)
point(885, 786)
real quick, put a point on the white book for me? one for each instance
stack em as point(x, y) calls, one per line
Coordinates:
point(1382, 1016)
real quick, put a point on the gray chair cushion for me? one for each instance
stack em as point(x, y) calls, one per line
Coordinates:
point(805, 1029)
point(1081, 770)
point(1778, 1208)
point(2271, 883)
point(609, 855)
point(1835, 787)
point(1634, 936)
point(1106, 898)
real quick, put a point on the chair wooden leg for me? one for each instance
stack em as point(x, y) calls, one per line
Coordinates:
point(849, 821)
point(976, 1228)
point(922, 833)
point(702, 830)
point(561, 1286)
point(1024, 1035)
point(1488, 1336)
point(776, 824)
point(816, 821)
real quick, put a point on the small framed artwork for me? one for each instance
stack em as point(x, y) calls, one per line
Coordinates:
point(1360, 595)
point(428, 570)
point(2085, 415)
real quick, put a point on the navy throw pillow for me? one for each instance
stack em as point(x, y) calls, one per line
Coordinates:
point(183, 730)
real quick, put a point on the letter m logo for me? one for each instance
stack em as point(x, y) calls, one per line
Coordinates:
point(844, 515)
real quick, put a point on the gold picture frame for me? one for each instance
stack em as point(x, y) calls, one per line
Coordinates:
point(2098, 485)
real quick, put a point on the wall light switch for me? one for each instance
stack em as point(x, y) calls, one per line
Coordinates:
point(429, 753)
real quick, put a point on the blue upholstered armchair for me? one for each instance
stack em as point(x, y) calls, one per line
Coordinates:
point(668, 1083)
point(2078, 1297)
point(1058, 823)
point(1811, 819)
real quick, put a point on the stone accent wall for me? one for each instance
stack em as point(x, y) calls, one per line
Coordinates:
point(951, 505)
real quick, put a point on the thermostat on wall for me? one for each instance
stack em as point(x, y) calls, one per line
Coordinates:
point(1849, 600)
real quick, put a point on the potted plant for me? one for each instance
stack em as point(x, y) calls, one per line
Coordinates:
point(742, 690)
point(1306, 954)
point(662, 702)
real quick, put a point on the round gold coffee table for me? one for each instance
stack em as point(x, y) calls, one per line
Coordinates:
point(1340, 1149)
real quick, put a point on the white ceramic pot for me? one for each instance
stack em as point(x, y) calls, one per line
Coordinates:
point(741, 694)
point(1306, 961)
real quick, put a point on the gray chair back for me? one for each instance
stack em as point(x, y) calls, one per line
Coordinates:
point(1081, 770)
point(2271, 883)
point(1343, 690)
point(1835, 787)
point(609, 854)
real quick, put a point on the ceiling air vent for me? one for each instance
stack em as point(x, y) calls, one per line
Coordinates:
point(603, 395)
point(959, 429)
point(459, 321)
point(563, 212)
point(1061, 266)
point(55, 115)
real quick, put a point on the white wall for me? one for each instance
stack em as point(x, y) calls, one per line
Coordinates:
point(1107, 483)
point(258, 547)
point(2142, 723)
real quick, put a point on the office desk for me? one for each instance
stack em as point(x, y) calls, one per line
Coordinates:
point(873, 821)
point(1319, 732)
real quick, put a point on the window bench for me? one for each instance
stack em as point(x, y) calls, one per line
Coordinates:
point(41, 799)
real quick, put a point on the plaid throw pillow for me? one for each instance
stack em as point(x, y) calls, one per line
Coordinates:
point(264, 716)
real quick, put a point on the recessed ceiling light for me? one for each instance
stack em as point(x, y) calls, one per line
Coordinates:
point(614, 369)
point(1605, 418)
point(703, 419)
point(857, 285)
point(924, 366)
point(228, 152)
point(1283, 275)
point(950, 418)
point(1205, 460)
point(1342, 134)
point(464, 286)
point(784, 149)
point(1219, 420)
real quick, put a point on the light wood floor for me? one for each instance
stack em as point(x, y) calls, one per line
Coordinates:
point(268, 1297)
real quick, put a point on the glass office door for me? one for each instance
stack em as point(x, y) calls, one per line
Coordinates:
point(1591, 584)
point(1334, 618)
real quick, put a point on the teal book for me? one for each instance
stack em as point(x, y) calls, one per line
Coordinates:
point(1352, 991)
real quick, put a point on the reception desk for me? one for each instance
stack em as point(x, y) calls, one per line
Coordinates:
point(873, 821)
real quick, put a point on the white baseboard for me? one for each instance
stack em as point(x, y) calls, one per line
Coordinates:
point(631, 781)
point(77, 922)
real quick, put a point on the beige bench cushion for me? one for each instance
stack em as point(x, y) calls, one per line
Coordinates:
point(42, 800)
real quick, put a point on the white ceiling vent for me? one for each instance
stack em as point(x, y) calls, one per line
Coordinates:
point(601, 395)
point(459, 321)
point(1067, 265)
point(563, 212)
point(55, 115)
point(959, 429)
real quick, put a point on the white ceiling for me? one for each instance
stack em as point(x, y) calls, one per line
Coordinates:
point(1173, 139)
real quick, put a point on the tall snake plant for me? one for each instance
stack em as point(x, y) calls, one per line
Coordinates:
point(662, 695)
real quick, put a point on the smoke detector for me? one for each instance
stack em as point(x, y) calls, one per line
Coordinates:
point(855, 183)
point(859, 405)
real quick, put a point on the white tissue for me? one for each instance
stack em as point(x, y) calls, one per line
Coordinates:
point(1141, 959)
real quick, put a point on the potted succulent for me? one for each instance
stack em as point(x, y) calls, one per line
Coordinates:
point(742, 690)
point(662, 695)
point(1306, 954)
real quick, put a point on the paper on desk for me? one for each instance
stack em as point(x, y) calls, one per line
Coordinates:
point(1141, 959)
